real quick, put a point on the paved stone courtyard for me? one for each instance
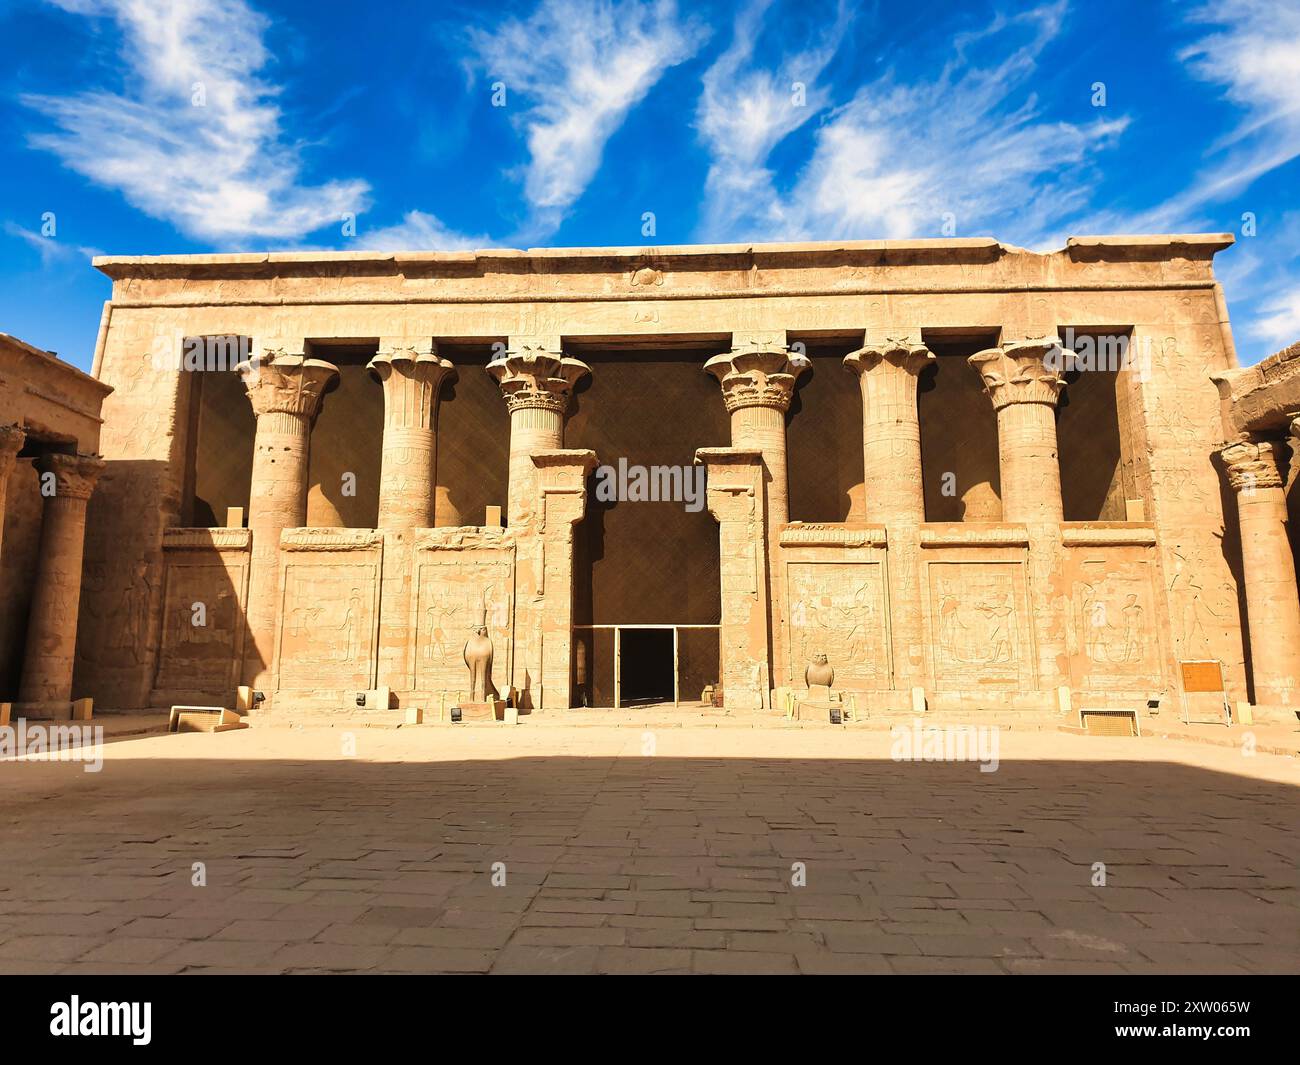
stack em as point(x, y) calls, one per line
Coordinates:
point(318, 859)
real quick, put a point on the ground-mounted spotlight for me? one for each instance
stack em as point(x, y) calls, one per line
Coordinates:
point(361, 698)
point(837, 717)
point(455, 715)
point(259, 697)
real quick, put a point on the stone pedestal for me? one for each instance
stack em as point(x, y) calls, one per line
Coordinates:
point(758, 378)
point(1268, 569)
point(46, 687)
point(412, 375)
point(285, 389)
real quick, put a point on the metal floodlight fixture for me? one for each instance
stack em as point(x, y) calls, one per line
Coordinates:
point(361, 698)
point(836, 717)
point(259, 697)
point(456, 714)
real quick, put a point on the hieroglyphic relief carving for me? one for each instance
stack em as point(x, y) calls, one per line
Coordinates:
point(203, 624)
point(455, 592)
point(838, 609)
point(977, 633)
point(1114, 635)
point(328, 611)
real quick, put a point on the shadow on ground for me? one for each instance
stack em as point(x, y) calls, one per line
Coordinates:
point(661, 864)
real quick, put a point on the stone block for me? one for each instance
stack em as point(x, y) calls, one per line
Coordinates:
point(6, 712)
point(82, 709)
point(414, 715)
point(234, 517)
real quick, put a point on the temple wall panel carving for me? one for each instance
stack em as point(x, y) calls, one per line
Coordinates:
point(205, 590)
point(327, 636)
point(978, 620)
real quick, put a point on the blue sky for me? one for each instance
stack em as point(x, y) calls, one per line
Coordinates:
point(170, 126)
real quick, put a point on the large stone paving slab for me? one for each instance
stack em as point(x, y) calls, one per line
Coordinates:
point(676, 850)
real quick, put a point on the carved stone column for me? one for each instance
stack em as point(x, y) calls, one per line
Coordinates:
point(735, 495)
point(412, 375)
point(537, 382)
point(1268, 569)
point(1024, 385)
point(891, 428)
point(12, 438)
point(894, 494)
point(285, 390)
point(758, 378)
point(56, 596)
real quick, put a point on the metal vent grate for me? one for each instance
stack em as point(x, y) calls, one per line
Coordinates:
point(1110, 722)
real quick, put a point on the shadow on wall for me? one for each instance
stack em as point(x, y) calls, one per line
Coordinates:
point(902, 859)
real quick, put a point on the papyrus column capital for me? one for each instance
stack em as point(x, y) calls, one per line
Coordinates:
point(758, 373)
point(412, 374)
point(74, 475)
point(536, 375)
point(12, 438)
point(1022, 371)
point(1251, 464)
point(281, 381)
point(902, 354)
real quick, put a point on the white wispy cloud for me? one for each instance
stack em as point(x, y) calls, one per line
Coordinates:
point(420, 231)
point(52, 250)
point(745, 111)
point(581, 66)
point(1251, 50)
point(222, 171)
point(900, 156)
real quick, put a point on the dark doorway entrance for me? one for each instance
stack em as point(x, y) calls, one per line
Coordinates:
point(646, 671)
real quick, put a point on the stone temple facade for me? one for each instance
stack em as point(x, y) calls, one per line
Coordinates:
point(961, 471)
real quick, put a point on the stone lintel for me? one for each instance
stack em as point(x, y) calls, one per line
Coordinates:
point(1107, 534)
point(561, 458)
point(322, 539)
point(728, 456)
point(798, 534)
point(974, 534)
point(197, 539)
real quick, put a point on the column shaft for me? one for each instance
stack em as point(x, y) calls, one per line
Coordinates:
point(891, 429)
point(412, 375)
point(758, 378)
point(1029, 464)
point(1024, 381)
point(52, 623)
point(1268, 570)
point(285, 391)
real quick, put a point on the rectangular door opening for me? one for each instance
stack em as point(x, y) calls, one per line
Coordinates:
point(647, 670)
